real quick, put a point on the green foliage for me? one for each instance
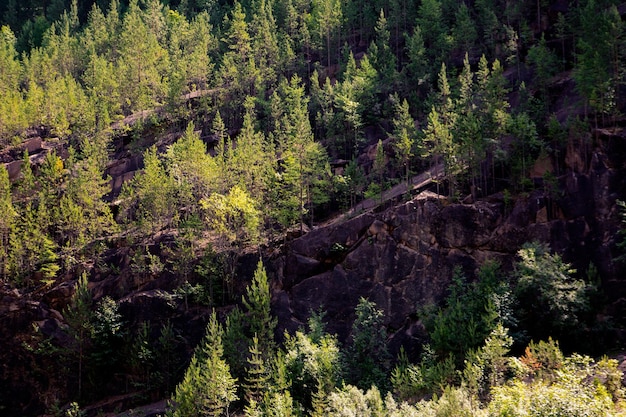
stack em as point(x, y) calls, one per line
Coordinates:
point(257, 375)
point(406, 142)
point(544, 62)
point(563, 398)
point(257, 303)
point(108, 335)
point(207, 388)
point(551, 299)
point(7, 221)
point(543, 359)
point(411, 381)
point(148, 197)
point(313, 365)
point(191, 169)
point(234, 215)
point(367, 360)
point(486, 367)
point(236, 344)
point(79, 317)
point(470, 314)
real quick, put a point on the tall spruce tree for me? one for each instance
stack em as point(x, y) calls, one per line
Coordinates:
point(207, 389)
point(257, 303)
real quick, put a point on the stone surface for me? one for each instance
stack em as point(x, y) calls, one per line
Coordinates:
point(403, 258)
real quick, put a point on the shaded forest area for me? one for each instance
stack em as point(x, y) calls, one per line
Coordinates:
point(174, 141)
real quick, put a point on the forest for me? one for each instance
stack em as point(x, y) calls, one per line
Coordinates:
point(181, 147)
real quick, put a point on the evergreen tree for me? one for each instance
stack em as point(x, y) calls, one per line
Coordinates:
point(149, 195)
point(265, 44)
point(142, 64)
point(380, 162)
point(257, 375)
point(236, 346)
point(405, 137)
point(304, 160)
point(382, 57)
point(79, 317)
point(207, 389)
point(12, 111)
point(251, 161)
point(84, 215)
point(418, 69)
point(7, 221)
point(553, 300)
point(434, 30)
point(367, 359)
point(464, 30)
point(238, 72)
point(326, 16)
point(192, 171)
point(257, 303)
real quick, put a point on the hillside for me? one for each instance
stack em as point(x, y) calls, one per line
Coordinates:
point(312, 208)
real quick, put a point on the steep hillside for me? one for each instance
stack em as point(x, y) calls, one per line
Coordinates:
point(313, 203)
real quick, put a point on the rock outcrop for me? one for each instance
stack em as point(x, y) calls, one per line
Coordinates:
point(403, 258)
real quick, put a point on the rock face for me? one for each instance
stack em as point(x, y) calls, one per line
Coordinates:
point(403, 258)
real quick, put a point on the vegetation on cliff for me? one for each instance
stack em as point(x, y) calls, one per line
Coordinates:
point(249, 122)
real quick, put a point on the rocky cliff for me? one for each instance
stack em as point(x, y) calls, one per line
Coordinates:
point(402, 258)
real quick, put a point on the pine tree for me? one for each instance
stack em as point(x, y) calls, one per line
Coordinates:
point(265, 41)
point(79, 317)
point(251, 162)
point(257, 378)
point(149, 196)
point(12, 109)
point(304, 160)
point(368, 358)
point(192, 171)
point(142, 64)
point(382, 57)
point(84, 215)
point(7, 221)
point(464, 31)
point(326, 16)
point(207, 389)
point(257, 303)
point(380, 162)
point(405, 136)
point(238, 73)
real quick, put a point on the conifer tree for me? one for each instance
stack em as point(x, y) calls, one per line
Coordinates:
point(265, 41)
point(257, 303)
point(207, 389)
point(326, 16)
point(382, 57)
point(304, 160)
point(368, 358)
point(464, 30)
point(7, 221)
point(404, 137)
point(236, 346)
point(257, 376)
point(79, 317)
point(192, 171)
point(251, 163)
point(149, 195)
point(238, 72)
point(12, 111)
point(142, 64)
point(379, 168)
